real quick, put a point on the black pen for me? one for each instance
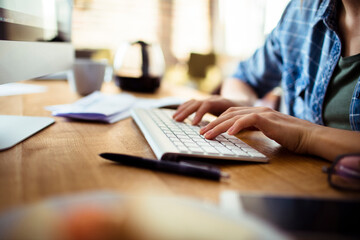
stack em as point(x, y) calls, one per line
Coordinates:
point(184, 168)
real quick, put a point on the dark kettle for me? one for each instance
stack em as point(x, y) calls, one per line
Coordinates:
point(139, 66)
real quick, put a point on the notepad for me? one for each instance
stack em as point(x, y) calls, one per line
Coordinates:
point(108, 108)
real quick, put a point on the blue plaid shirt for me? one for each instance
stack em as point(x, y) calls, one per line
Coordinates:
point(301, 52)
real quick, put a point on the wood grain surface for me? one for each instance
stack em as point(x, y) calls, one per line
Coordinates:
point(63, 158)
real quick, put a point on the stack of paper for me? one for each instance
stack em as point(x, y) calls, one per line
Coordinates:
point(108, 108)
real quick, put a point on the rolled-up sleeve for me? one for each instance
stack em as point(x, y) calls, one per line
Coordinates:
point(262, 71)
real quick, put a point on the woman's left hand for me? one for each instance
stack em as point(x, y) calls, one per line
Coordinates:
point(291, 132)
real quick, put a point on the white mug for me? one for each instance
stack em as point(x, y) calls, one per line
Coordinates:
point(87, 76)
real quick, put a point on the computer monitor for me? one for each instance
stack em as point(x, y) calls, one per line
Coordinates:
point(35, 40)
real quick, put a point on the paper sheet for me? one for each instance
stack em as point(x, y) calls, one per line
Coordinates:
point(108, 108)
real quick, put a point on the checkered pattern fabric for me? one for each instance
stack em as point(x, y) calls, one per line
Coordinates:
point(301, 53)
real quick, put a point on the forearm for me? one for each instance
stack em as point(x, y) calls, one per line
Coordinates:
point(329, 142)
point(238, 91)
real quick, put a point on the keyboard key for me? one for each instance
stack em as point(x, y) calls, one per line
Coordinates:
point(216, 144)
point(170, 135)
point(220, 138)
point(196, 150)
point(224, 150)
point(183, 149)
point(239, 152)
point(177, 132)
point(201, 143)
point(209, 149)
point(233, 148)
point(182, 136)
point(190, 144)
point(229, 144)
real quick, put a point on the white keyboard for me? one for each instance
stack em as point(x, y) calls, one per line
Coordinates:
point(173, 140)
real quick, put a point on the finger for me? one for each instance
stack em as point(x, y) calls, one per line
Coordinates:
point(203, 109)
point(233, 112)
point(191, 108)
point(182, 107)
point(220, 128)
point(235, 109)
point(248, 121)
point(244, 110)
point(220, 119)
point(230, 109)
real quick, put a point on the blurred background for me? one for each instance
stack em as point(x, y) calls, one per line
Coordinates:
point(202, 40)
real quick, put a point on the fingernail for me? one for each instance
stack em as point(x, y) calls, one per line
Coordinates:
point(177, 117)
point(230, 130)
point(202, 130)
point(208, 134)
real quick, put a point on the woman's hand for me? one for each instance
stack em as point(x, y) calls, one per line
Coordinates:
point(292, 133)
point(295, 134)
point(214, 105)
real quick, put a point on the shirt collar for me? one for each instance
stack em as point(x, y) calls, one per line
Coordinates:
point(328, 13)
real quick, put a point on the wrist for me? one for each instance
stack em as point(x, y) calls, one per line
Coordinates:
point(321, 142)
point(312, 137)
point(309, 141)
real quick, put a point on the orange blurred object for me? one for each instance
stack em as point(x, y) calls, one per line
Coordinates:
point(92, 223)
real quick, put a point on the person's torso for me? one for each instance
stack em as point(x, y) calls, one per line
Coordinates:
point(339, 93)
point(310, 50)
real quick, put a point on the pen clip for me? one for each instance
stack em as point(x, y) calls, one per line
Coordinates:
point(196, 165)
point(199, 165)
point(205, 166)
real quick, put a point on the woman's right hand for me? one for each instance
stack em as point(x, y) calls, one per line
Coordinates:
point(215, 105)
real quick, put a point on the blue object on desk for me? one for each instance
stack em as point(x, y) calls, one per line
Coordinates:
point(183, 168)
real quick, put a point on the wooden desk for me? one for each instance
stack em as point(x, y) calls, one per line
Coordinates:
point(64, 159)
